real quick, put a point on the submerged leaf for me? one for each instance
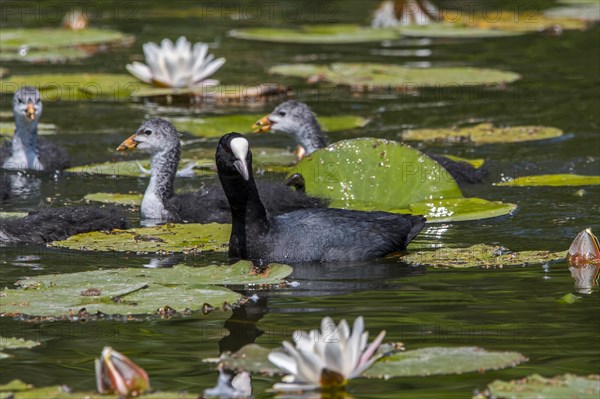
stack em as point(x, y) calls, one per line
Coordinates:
point(536, 386)
point(317, 34)
point(215, 126)
point(481, 255)
point(133, 290)
point(115, 198)
point(40, 38)
point(559, 180)
point(168, 238)
point(442, 361)
point(484, 133)
point(381, 76)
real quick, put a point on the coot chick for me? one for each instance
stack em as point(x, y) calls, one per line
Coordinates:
point(160, 203)
point(54, 224)
point(308, 235)
point(27, 150)
point(297, 119)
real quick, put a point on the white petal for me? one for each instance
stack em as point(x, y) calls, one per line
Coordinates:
point(209, 70)
point(140, 71)
point(283, 361)
point(303, 371)
point(367, 358)
point(242, 384)
point(334, 359)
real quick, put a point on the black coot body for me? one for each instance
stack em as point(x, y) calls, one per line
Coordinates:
point(51, 155)
point(54, 224)
point(310, 235)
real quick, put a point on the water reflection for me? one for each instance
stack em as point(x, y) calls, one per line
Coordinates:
point(586, 277)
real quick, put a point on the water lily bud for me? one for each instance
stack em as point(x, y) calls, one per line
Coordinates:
point(116, 373)
point(584, 249)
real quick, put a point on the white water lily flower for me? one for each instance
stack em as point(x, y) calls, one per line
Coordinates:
point(177, 65)
point(395, 13)
point(327, 358)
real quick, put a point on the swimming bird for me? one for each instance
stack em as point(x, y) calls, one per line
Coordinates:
point(297, 119)
point(160, 203)
point(26, 150)
point(52, 224)
point(308, 235)
point(5, 190)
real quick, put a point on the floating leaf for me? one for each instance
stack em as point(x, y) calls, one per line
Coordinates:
point(536, 386)
point(316, 34)
point(133, 290)
point(587, 11)
point(458, 209)
point(54, 55)
point(559, 180)
point(131, 168)
point(115, 198)
point(481, 255)
point(13, 39)
point(44, 129)
point(168, 238)
point(3, 72)
point(76, 87)
point(442, 361)
point(220, 93)
point(12, 215)
point(484, 133)
point(506, 20)
point(376, 174)
point(17, 389)
point(451, 30)
point(16, 343)
point(476, 163)
point(419, 362)
point(381, 76)
point(216, 126)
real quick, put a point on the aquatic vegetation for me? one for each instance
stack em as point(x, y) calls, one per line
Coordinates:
point(584, 249)
point(116, 373)
point(372, 76)
point(177, 65)
point(326, 358)
point(536, 386)
point(391, 14)
point(559, 180)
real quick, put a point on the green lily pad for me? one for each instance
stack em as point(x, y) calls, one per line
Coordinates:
point(44, 129)
point(559, 180)
point(220, 93)
point(317, 34)
point(13, 39)
point(526, 21)
point(12, 215)
point(115, 198)
point(215, 126)
point(76, 87)
point(164, 239)
point(587, 11)
point(374, 174)
point(131, 168)
point(419, 362)
point(536, 386)
point(484, 133)
point(134, 291)
point(17, 343)
point(476, 163)
point(481, 255)
point(442, 361)
point(458, 209)
point(17, 389)
point(454, 31)
point(382, 76)
point(54, 55)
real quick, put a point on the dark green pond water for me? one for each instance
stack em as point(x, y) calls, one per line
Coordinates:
point(508, 309)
